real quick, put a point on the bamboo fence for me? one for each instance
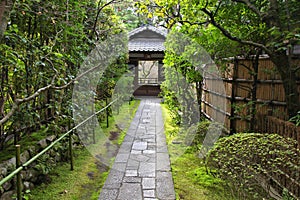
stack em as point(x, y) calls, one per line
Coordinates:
point(249, 93)
point(255, 102)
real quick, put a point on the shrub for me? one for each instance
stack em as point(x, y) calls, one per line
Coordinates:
point(196, 133)
point(248, 160)
point(296, 119)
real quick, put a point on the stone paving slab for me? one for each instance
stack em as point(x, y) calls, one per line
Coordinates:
point(141, 170)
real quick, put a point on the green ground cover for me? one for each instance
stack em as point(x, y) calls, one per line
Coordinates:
point(89, 175)
point(191, 180)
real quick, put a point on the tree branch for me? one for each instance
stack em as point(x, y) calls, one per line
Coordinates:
point(98, 13)
point(75, 79)
point(5, 8)
point(230, 36)
point(18, 102)
point(192, 23)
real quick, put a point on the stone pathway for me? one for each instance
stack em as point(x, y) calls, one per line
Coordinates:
point(142, 166)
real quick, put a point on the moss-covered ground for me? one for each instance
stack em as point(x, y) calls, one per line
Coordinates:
point(191, 180)
point(89, 174)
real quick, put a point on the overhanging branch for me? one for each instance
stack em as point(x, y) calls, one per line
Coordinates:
point(227, 34)
point(100, 8)
point(18, 102)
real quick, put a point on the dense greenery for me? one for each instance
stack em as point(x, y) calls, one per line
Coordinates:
point(43, 44)
point(248, 161)
point(254, 27)
point(89, 174)
point(225, 29)
point(190, 176)
point(42, 49)
point(83, 182)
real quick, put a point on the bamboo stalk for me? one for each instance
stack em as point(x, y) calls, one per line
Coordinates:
point(19, 179)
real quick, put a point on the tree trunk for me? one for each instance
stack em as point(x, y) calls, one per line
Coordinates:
point(5, 7)
point(289, 79)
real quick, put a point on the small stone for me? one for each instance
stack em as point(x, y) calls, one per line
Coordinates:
point(43, 143)
point(28, 185)
point(133, 164)
point(139, 158)
point(148, 152)
point(149, 193)
point(131, 173)
point(122, 157)
point(3, 171)
point(131, 179)
point(164, 186)
point(7, 186)
point(147, 169)
point(31, 175)
point(148, 183)
point(136, 152)
point(108, 194)
point(130, 191)
point(138, 145)
point(91, 175)
point(51, 138)
point(7, 195)
point(11, 162)
point(24, 157)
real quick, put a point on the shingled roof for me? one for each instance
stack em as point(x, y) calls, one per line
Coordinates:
point(147, 38)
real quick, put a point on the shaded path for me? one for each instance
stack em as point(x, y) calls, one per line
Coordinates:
point(142, 165)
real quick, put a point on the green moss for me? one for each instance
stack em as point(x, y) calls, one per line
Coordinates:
point(84, 181)
point(191, 181)
point(89, 175)
point(26, 142)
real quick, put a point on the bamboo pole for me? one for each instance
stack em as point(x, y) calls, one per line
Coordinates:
point(107, 113)
point(71, 151)
point(19, 180)
point(19, 169)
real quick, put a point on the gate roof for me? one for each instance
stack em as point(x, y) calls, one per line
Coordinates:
point(147, 39)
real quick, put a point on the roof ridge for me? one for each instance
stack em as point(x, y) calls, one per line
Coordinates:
point(159, 30)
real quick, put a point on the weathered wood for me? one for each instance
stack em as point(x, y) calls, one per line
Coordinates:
point(260, 89)
point(19, 179)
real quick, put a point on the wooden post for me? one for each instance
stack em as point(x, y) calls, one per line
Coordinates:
point(19, 180)
point(71, 147)
point(136, 75)
point(253, 109)
point(118, 108)
point(118, 104)
point(71, 151)
point(232, 100)
point(94, 136)
point(107, 114)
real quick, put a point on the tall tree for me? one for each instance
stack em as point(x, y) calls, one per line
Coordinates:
point(5, 8)
point(272, 26)
point(41, 51)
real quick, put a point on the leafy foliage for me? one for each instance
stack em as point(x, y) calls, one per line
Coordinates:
point(197, 132)
point(239, 28)
point(45, 44)
point(246, 160)
point(296, 119)
point(127, 13)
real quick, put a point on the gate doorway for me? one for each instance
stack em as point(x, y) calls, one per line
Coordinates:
point(146, 53)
